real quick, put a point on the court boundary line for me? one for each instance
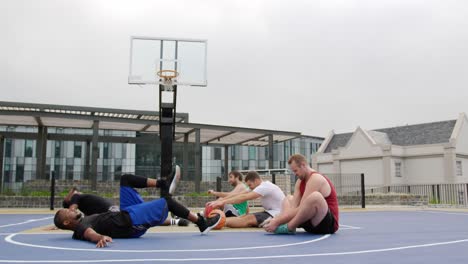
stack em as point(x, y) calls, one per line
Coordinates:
point(9, 239)
point(246, 258)
point(441, 212)
point(28, 221)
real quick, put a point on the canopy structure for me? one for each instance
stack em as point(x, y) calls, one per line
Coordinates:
point(44, 116)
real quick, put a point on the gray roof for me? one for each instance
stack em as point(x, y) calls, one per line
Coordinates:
point(380, 137)
point(420, 134)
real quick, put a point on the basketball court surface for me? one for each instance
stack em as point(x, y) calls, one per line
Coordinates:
point(365, 236)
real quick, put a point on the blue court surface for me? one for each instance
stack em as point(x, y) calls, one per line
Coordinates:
point(410, 236)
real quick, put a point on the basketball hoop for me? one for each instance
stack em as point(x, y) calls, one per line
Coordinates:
point(167, 77)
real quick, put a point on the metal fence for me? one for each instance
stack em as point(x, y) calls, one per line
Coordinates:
point(444, 194)
point(347, 184)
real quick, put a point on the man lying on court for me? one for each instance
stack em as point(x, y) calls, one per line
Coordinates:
point(135, 216)
point(314, 205)
point(90, 204)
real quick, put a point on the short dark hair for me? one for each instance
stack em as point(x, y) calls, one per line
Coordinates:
point(58, 220)
point(252, 176)
point(297, 158)
point(236, 174)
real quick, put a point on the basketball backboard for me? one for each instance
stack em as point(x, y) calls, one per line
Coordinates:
point(151, 55)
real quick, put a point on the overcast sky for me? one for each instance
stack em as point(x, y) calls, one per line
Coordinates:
point(305, 66)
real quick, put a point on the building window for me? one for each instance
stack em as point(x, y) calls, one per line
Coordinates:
point(8, 147)
point(28, 148)
point(69, 169)
point(252, 153)
point(57, 149)
point(77, 150)
point(106, 150)
point(217, 154)
point(459, 168)
point(19, 173)
point(7, 173)
point(398, 169)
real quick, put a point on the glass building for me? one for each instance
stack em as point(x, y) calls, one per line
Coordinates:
point(99, 145)
point(68, 159)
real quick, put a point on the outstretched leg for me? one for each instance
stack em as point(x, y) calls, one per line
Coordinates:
point(129, 196)
point(248, 220)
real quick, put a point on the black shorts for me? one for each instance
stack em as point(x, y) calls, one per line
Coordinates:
point(326, 226)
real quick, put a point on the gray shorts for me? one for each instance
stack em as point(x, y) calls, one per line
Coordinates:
point(230, 210)
point(261, 217)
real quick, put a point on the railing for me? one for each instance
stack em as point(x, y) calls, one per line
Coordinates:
point(446, 194)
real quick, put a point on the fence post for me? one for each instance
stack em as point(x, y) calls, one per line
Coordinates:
point(363, 192)
point(438, 193)
point(52, 190)
point(273, 178)
point(466, 195)
point(218, 184)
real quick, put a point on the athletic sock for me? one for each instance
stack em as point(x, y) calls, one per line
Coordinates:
point(176, 208)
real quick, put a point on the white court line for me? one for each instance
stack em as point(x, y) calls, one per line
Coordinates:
point(62, 232)
point(245, 258)
point(28, 221)
point(9, 239)
point(345, 227)
point(436, 212)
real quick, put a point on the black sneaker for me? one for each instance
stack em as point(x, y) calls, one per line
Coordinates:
point(174, 179)
point(206, 224)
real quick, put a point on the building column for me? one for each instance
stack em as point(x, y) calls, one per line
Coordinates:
point(226, 162)
point(198, 170)
point(270, 152)
point(2, 177)
point(185, 157)
point(449, 162)
point(41, 152)
point(387, 165)
point(94, 155)
point(87, 160)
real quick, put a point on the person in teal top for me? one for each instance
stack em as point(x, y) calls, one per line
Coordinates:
point(235, 179)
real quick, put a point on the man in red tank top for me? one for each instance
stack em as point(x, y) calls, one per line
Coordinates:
point(314, 205)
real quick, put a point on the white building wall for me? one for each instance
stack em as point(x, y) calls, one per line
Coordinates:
point(464, 177)
point(462, 152)
point(320, 158)
point(360, 146)
point(424, 170)
point(372, 169)
point(397, 151)
point(325, 168)
point(462, 140)
point(420, 150)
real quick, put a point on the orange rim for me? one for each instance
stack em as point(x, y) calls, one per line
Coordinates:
point(167, 74)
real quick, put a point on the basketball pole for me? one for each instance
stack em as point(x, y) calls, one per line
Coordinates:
point(167, 114)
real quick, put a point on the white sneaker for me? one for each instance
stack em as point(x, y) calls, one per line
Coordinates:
point(175, 180)
point(266, 221)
